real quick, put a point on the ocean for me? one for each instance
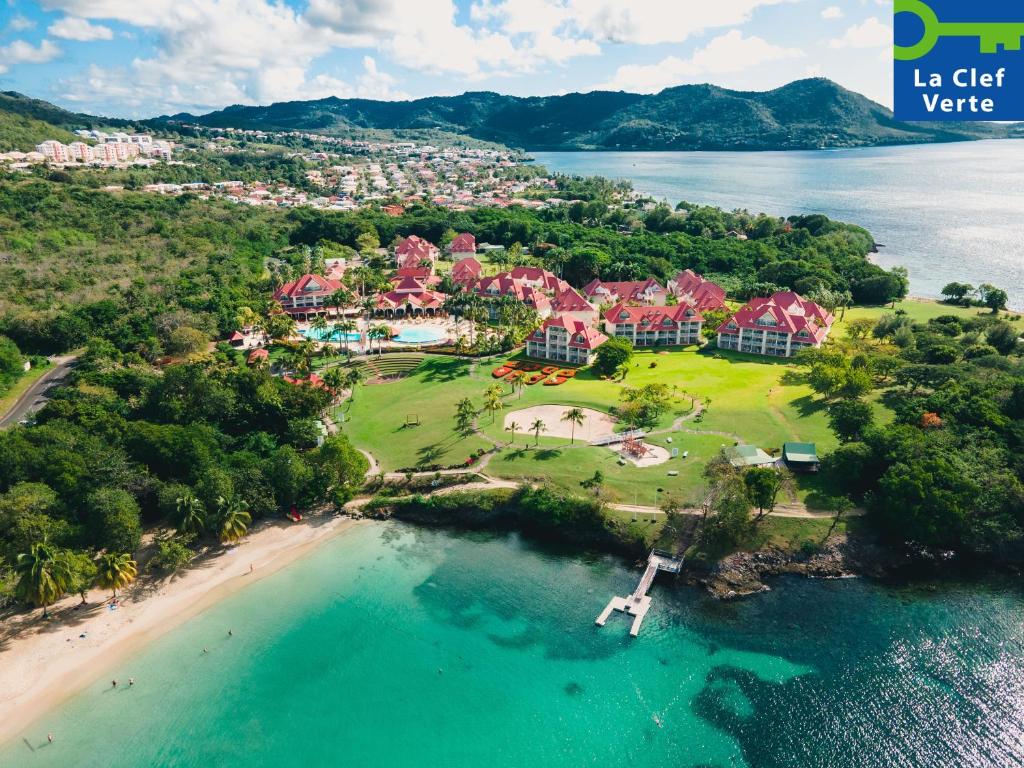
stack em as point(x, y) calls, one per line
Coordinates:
point(393, 645)
point(947, 212)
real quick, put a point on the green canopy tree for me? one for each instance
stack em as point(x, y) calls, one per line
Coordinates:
point(116, 571)
point(43, 575)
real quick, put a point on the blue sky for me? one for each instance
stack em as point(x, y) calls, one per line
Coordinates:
point(140, 58)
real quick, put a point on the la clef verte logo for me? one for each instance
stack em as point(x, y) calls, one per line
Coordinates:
point(958, 61)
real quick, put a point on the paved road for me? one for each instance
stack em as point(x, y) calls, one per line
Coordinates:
point(34, 397)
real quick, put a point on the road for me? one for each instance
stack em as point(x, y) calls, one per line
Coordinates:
point(34, 398)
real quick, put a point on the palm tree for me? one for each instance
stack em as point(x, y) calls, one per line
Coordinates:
point(334, 379)
point(319, 324)
point(353, 376)
point(538, 426)
point(379, 332)
point(513, 427)
point(492, 399)
point(191, 514)
point(576, 418)
point(234, 520)
point(342, 329)
point(43, 575)
point(518, 383)
point(247, 318)
point(116, 572)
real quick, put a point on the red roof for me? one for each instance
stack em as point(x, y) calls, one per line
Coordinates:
point(789, 313)
point(313, 381)
point(570, 300)
point(307, 285)
point(258, 354)
point(633, 290)
point(652, 318)
point(415, 245)
point(548, 281)
point(236, 336)
point(702, 294)
point(581, 335)
point(466, 270)
point(424, 298)
point(464, 243)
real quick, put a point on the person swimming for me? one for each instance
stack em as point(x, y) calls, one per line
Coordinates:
point(131, 681)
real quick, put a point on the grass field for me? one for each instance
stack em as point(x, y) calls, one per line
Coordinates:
point(746, 398)
point(922, 310)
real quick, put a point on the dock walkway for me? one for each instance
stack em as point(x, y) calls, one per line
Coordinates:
point(639, 603)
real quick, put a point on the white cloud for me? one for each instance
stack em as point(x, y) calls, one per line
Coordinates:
point(832, 12)
point(19, 23)
point(73, 28)
point(22, 52)
point(728, 53)
point(873, 33)
point(643, 22)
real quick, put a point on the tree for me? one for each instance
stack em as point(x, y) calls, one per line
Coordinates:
point(191, 515)
point(367, 242)
point(955, 293)
point(763, 485)
point(860, 327)
point(594, 482)
point(613, 354)
point(513, 427)
point(992, 297)
point(116, 572)
point(115, 519)
point(575, 417)
point(850, 419)
point(1003, 336)
point(82, 571)
point(186, 341)
point(492, 399)
point(353, 377)
point(839, 505)
point(172, 554)
point(234, 520)
point(826, 379)
point(43, 575)
point(537, 427)
point(465, 415)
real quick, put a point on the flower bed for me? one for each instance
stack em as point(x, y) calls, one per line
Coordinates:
point(549, 369)
point(511, 364)
point(555, 381)
point(534, 378)
point(567, 373)
point(512, 375)
point(500, 373)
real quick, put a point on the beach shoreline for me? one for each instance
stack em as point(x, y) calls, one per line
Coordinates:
point(42, 665)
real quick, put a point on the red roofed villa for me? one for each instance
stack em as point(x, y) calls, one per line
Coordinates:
point(464, 243)
point(306, 296)
point(690, 288)
point(467, 271)
point(647, 291)
point(779, 326)
point(654, 326)
point(414, 250)
point(565, 340)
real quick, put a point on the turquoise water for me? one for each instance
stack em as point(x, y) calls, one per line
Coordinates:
point(399, 646)
point(414, 335)
point(326, 334)
point(945, 211)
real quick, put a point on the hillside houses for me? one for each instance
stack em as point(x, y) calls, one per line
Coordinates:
point(690, 288)
point(414, 251)
point(778, 326)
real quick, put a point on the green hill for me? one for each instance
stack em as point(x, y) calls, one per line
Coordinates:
point(25, 122)
point(805, 114)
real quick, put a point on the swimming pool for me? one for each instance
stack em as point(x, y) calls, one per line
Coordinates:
point(325, 334)
point(418, 335)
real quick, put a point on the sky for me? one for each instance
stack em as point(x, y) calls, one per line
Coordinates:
point(141, 58)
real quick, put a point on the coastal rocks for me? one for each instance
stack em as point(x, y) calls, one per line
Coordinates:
point(743, 573)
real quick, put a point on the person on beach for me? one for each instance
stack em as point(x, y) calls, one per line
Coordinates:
point(250, 567)
point(230, 633)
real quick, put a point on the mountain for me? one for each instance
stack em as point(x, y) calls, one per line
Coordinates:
point(25, 122)
point(806, 114)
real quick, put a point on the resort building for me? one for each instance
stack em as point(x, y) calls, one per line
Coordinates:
point(467, 271)
point(647, 291)
point(779, 326)
point(654, 326)
point(306, 296)
point(414, 250)
point(533, 286)
point(690, 288)
point(570, 303)
point(565, 340)
point(463, 244)
point(411, 296)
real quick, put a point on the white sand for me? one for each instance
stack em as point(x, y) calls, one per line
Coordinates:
point(43, 664)
point(595, 424)
point(655, 455)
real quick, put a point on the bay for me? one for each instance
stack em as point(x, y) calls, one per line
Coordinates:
point(947, 212)
point(394, 645)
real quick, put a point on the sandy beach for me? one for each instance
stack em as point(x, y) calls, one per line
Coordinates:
point(43, 664)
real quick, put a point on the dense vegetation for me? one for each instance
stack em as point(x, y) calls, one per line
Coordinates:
point(806, 114)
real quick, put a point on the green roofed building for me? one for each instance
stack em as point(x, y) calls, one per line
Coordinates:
point(801, 457)
point(749, 456)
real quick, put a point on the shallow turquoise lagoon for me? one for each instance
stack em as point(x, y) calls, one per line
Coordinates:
point(400, 646)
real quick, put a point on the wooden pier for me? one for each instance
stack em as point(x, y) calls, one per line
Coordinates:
point(639, 603)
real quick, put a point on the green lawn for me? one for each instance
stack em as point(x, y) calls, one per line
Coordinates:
point(758, 401)
point(922, 310)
